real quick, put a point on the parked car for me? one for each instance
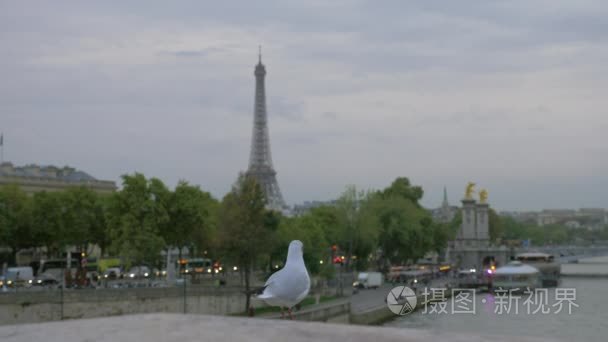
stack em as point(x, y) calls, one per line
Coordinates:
point(113, 273)
point(139, 272)
point(162, 273)
point(48, 279)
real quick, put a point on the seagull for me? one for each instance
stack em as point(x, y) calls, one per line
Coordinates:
point(288, 286)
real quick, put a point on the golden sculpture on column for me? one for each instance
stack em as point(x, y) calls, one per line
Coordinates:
point(483, 196)
point(470, 190)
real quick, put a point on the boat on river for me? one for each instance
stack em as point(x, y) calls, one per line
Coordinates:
point(516, 276)
point(549, 268)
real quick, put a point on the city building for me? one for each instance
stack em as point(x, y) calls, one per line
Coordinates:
point(35, 178)
point(521, 216)
point(586, 218)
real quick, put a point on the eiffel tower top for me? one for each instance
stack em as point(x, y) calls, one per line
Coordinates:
point(260, 70)
point(260, 158)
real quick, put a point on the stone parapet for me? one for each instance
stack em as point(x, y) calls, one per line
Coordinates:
point(189, 328)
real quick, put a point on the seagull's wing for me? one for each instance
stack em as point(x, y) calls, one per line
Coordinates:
point(270, 284)
point(273, 277)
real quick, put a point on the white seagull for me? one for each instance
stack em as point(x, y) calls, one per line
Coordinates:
point(288, 286)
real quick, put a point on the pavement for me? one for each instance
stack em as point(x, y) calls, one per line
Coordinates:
point(191, 328)
point(367, 299)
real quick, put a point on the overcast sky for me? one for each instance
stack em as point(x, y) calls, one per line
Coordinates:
point(512, 95)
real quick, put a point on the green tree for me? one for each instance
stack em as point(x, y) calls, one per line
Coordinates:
point(244, 235)
point(135, 217)
point(47, 221)
point(81, 217)
point(405, 233)
point(406, 230)
point(401, 187)
point(99, 232)
point(441, 235)
point(513, 230)
point(317, 229)
point(455, 224)
point(356, 232)
point(308, 229)
point(496, 228)
point(191, 212)
point(15, 219)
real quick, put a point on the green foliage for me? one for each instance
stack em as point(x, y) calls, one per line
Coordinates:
point(407, 231)
point(244, 234)
point(441, 235)
point(455, 224)
point(553, 234)
point(48, 221)
point(311, 232)
point(145, 217)
point(99, 232)
point(513, 230)
point(190, 218)
point(496, 228)
point(136, 216)
point(81, 217)
point(361, 223)
point(15, 218)
point(398, 226)
point(401, 187)
point(356, 231)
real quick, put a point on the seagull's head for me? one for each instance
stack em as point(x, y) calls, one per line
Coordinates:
point(295, 251)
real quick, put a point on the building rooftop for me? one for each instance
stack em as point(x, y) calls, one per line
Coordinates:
point(66, 173)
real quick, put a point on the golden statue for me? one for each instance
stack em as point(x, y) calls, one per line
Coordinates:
point(483, 196)
point(469, 191)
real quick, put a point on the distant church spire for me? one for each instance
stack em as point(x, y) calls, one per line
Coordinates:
point(446, 212)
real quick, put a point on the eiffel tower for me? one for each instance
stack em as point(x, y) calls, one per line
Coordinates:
point(260, 160)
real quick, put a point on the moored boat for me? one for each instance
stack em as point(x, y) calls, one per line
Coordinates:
point(516, 276)
point(549, 268)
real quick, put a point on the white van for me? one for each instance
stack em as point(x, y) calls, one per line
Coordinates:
point(368, 280)
point(19, 276)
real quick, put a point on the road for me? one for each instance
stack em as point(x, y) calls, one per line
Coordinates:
point(368, 299)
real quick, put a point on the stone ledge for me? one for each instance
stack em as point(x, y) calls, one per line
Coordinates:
point(318, 313)
point(190, 328)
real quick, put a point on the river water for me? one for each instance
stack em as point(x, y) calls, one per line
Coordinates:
point(587, 322)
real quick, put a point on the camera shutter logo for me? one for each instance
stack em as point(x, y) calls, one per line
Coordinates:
point(401, 300)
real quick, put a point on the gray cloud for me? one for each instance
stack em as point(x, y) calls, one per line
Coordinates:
point(506, 93)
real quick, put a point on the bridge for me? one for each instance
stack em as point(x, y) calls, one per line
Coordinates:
point(567, 254)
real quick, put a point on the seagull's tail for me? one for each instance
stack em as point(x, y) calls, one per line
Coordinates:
point(256, 291)
point(264, 296)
